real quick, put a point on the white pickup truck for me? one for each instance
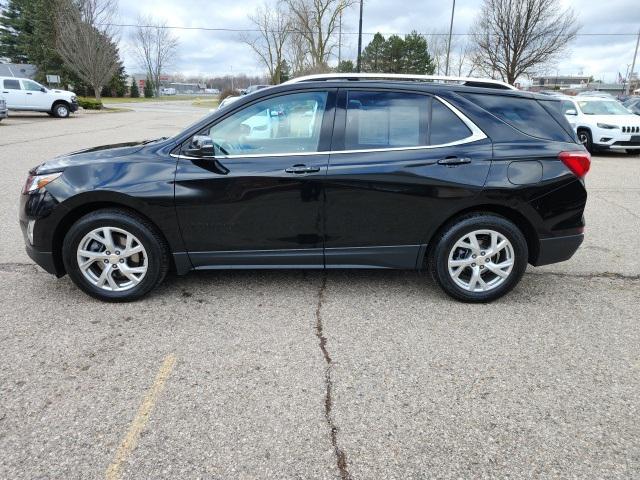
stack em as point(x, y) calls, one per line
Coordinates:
point(3, 109)
point(27, 95)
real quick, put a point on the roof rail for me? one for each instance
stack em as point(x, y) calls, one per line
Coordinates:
point(469, 81)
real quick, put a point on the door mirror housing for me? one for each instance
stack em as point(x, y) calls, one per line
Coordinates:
point(571, 111)
point(43, 90)
point(201, 146)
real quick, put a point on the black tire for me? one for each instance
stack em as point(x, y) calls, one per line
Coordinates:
point(586, 139)
point(633, 152)
point(443, 243)
point(156, 250)
point(61, 110)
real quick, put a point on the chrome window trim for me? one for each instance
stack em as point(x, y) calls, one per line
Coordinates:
point(476, 135)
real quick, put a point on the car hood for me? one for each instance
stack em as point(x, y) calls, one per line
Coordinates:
point(619, 120)
point(93, 155)
point(61, 92)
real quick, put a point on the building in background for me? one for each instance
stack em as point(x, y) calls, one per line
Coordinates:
point(560, 82)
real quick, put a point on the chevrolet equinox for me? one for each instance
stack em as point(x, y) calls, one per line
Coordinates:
point(467, 178)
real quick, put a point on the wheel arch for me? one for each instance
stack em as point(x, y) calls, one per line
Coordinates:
point(79, 211)
point(520, 221)
point(60, 100)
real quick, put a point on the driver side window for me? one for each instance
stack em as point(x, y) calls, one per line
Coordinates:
point(31, 86)
point(284, 124)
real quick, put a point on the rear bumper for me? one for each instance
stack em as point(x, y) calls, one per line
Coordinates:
point(557, 249)
point(4, 113)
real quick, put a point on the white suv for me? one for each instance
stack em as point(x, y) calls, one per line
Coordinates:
point(603, 123)
point(27, 95)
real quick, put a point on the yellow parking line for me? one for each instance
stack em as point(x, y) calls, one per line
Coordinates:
point(130, 441)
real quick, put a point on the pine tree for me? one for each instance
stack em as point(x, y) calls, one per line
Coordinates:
point(27, 35)
point(416, 55)
point(148, 88)
point(345, 66)
point(134, 91)
point(372, 55)
point(394, 55)
point(12, 31)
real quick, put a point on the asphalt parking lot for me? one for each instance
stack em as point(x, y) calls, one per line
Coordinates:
point(306, 375)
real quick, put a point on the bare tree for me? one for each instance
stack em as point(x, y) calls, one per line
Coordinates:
point(316, 22)
point(297, 54)
point(274, 28)
point(155, 47)
point(86, 40)
point(514, 37)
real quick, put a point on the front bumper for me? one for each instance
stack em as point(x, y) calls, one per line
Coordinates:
point(557, 249)
point(40, 207)
point(615, 139)
point(44, 259)
point(74, 106)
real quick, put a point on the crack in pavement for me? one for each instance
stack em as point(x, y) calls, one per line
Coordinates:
point(18, 267)
point(609, 275)
point(341, 457)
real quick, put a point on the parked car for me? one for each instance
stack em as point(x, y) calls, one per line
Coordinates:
point(23, 94)
point(603, 123)
point(633, 105)
point(168, 91)
point(3, 109)
point(595, 93)
point(470, 180)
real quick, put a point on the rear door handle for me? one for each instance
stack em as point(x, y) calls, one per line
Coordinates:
point(298, 169)
point(454, 160)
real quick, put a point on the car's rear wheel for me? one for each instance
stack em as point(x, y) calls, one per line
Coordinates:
point(115, 255)
point(586, 139)
point(478, 258)
point(61, 110)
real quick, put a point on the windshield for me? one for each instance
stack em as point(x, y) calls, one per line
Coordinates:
point(603, 107)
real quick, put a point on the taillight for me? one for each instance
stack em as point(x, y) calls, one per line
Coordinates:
point(577, 162)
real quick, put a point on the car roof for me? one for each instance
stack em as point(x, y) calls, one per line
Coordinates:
point(427, 87)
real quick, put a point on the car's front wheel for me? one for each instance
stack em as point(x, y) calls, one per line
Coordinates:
point(586, 139)
point(114, 255)
point(478, 258)
point(61, 110)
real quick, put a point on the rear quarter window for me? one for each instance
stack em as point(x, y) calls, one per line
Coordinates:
point(523, 114)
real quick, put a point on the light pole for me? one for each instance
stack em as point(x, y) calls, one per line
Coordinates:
point(340, 40)
point(453, 9)
point(633, 64)
point(359, 62)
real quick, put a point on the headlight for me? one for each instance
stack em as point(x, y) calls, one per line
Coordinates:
point(607, 126)
point(36, 182)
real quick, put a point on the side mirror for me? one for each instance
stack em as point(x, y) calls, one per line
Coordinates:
point(201, 146)
point(43, 90)
point(571, 111)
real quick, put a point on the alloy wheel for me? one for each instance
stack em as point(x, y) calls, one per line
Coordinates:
point(481, 260)
point(112, 259)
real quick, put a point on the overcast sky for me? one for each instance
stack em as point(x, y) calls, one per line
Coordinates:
point(220, 53)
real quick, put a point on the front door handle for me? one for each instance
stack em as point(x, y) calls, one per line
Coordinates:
point(298, 169)
point(454, 161)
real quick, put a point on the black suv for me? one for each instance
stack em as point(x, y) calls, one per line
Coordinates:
point(467, 178)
